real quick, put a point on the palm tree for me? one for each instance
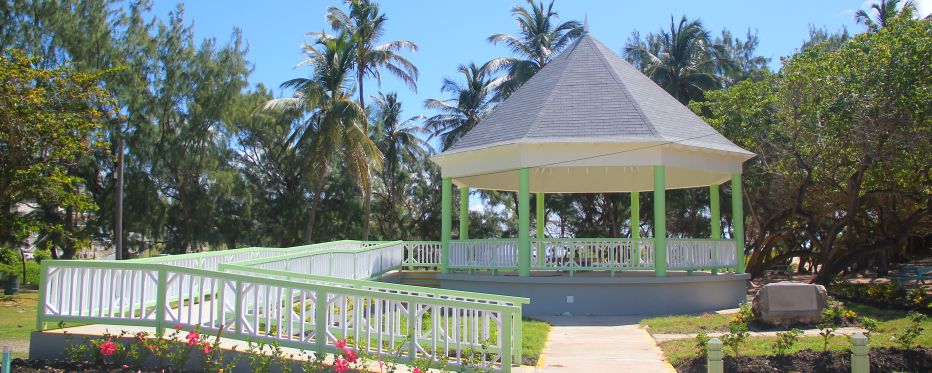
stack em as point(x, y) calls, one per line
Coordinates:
point(470, 103)
point(682, 60)
point(539, 39)
point(336, 124)
point(883, 11)
point(367, 25)
point(400, 142)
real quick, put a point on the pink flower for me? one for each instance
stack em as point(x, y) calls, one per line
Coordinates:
point(380, 363)
point(340, 365)
point(206, 349)
point(350, 355)
point(192, 337)
point(417, 370)
point(341, 344)
point(178, 327)
point(107, 348)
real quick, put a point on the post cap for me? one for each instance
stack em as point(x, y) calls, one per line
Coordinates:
point(858, 339)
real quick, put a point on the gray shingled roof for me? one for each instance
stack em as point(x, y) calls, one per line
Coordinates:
point(589, 93)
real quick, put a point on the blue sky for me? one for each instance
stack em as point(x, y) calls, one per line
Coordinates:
point(450, 33)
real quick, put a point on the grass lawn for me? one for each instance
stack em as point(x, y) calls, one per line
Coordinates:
point(533, 337)
point(17, 320)
point(707, 322)
point(889, 322)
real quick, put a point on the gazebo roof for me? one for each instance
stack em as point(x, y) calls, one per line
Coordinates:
point(591, 117)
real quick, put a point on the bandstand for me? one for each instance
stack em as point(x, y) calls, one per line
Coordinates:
point(589, 122)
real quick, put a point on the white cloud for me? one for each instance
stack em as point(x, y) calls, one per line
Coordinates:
point(923, 8)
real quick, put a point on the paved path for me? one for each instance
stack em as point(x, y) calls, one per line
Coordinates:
point(600, 344)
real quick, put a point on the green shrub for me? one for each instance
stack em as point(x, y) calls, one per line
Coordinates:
point(786, 340)
point(868, 324)
point(885, 293)
point(911, 332)
point(738, 328)
point(700, 342)
point(41, 255)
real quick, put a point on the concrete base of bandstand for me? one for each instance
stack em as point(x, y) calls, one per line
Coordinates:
point(601, 294)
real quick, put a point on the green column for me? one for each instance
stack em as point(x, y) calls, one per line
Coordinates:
point(464, 213)
point(635, 214)
point(716, 209)
point(446, 223)
point(541, 219)
point(524, 224)
point(737, 221)
point(541, 224)
point(660, 222)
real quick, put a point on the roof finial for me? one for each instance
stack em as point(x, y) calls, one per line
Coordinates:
point(585, 27)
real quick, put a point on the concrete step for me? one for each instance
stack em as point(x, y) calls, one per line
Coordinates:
point(420, 278)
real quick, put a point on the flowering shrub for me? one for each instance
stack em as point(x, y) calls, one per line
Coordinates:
point(174, 351)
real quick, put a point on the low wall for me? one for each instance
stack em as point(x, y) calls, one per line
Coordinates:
point(602, 295)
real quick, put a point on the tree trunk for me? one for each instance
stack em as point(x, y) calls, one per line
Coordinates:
point(367, 191)
point(118, 213)
point(366, 209)
point(309, 230)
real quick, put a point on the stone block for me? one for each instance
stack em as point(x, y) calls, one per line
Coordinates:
point(787, 304)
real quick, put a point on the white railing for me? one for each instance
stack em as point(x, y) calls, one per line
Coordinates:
point(484, 254)
point(296, 314)
point(347, 262)
point(700, 253)
point(590, 254)
point(422, 254)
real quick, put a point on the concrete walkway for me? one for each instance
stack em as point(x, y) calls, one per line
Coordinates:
point(600, 344)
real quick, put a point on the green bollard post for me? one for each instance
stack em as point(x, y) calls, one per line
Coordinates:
point(715, 354)
point(860, 362)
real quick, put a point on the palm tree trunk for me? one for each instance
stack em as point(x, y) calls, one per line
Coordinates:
point(367, 192)
point(312, 215)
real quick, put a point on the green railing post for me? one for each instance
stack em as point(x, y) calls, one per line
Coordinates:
point(464, 213)
point(524, 224)
point(40, 306)
point(238, 309)
point(519, 335)
point(660, 222)
point(715, 353)
point(446, 223)
point(507, 337)
point(860, 361)
point(635, 214)
point(412, 332)
point(320, 320)
point(7, 359)
point(737, 208)
point(160, 301)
